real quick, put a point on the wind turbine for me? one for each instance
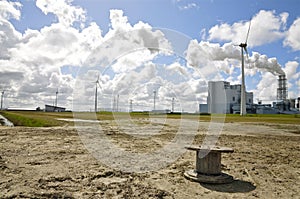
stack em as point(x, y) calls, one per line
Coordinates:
point(130, 105)
point(243, 88)
point(154, 96)
point(56, 93)
point(96, 93)
point(118, 97)
point(173, 102)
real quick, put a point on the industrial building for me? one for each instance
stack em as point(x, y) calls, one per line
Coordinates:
point(50, 108)
point(283, 104)
point(225, 98)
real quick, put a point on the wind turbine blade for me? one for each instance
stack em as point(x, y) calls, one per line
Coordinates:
point(99, 85)
point(247, 55)
point(246, 52)
point(248, 32)
point(97, 81)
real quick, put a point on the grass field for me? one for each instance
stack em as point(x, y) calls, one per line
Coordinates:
point(47, 119)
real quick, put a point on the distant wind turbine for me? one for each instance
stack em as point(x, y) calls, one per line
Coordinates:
point(130, 105)
point(96, 93)
point(2, 99)
point(154, 96)
point(173, 102)
point(56, 93)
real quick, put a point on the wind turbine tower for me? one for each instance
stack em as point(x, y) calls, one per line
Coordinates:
point(118, 97)
point(2, 99)
point(154, 96)
point(130, 105)
point(56, 93)
point(173, 102)
point(243, 88)
point(96, 94)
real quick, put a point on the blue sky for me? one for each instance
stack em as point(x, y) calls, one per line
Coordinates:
point(33, 26)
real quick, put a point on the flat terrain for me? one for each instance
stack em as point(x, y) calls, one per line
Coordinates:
point(53, 162)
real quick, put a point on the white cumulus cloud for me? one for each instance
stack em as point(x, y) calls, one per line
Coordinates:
point(66, 13)
point(9, 37)
point(37, 63)
point(293, 36)
point(266, 27)
point(10, 10)
point(291, 70)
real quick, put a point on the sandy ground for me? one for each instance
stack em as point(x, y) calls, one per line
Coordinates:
point(54, 163)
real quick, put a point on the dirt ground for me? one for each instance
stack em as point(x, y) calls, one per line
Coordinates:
point(54, 163)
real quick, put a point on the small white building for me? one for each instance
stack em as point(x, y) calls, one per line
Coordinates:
point(225, 98)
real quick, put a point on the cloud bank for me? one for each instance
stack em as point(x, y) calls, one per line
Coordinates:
point(133, 59)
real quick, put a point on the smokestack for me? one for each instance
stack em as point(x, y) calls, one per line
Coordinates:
point(282, 91)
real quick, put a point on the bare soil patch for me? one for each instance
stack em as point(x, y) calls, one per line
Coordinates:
point(54, 163)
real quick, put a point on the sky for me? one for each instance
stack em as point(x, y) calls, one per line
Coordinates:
point(136, 47)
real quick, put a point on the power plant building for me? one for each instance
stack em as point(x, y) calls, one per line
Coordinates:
point(225, 98)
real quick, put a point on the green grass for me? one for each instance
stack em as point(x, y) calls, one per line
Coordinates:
point(34, 119)
point(228, 118)
point(264, 118)
point(47, 119)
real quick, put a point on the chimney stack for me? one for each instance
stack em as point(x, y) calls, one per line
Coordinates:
point(282, 91)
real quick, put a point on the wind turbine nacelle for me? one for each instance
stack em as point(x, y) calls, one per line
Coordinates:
point(243, 45)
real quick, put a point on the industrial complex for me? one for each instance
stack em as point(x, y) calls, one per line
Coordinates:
point(225, 98)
